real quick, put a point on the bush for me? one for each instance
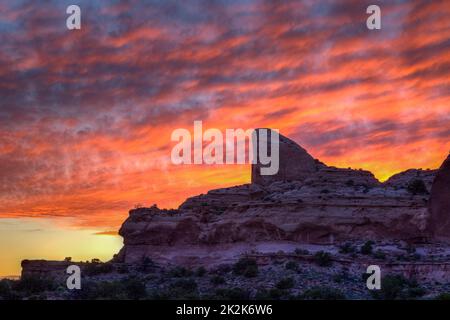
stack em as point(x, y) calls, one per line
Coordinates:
point(286, 283)
point(185, 289)
point(246, 267)
point(99, 290)
point(417, 186)
point(34, 284)
point(180, 272)
point(367, 248)
point(339, 277)
point(188, 285)
point(443, 296)
point(398, 287)
point(292, 265)
point(347, 248)
point(323, 259)
point(5, 288)
point(217, 280)
point(322, 293)
point(200, 272)
point(134, 288)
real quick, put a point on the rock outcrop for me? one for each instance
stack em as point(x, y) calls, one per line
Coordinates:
point(439, 224)
point(294, 163)
point(306, 202)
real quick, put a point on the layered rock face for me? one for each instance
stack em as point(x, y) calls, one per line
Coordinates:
point(440, 203)
point(306, 202)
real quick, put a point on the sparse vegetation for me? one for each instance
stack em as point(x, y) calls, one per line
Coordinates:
point(246, 267)
point(443, 296)
point(285, 283)
point(30, 285)
point(347, 248)
point(217, 280)
point(5, 289)
point(97, 267)
point(323, 259)
point(367, 248)
point(180, 272)
point(398, 287)
point(292, 265)
point(417, 186)
point(200, 272)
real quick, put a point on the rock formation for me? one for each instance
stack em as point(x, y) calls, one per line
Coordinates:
point(306, 202)
point(439, 224)
point(295, 164)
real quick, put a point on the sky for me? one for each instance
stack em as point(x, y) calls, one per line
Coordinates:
point(86, 115)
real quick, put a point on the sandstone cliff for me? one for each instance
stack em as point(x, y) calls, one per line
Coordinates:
point(306, 202)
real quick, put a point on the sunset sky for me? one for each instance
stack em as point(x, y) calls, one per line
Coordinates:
point(86, 115)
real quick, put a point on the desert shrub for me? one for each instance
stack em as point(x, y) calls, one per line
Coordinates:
point(134, 288)
point(180, 272)
point(347, 248)
point(367, 248)
point(99, 290)
point(246, 267)
point(443, 296)
point(5, 289)
point(217, 280)
point(95, 268)
point(110, 290)
point(292, 265)
point(185, 284)
point(125, 289)
point(417, 186)
point(200, 272)
point(34, 284)
point(285, 283)
point(398, 287)
point(184, 289)
point(322, 293)
point(323, 259)
point(232, 294)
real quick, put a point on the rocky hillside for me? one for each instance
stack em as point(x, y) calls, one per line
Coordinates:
point(306, 202)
